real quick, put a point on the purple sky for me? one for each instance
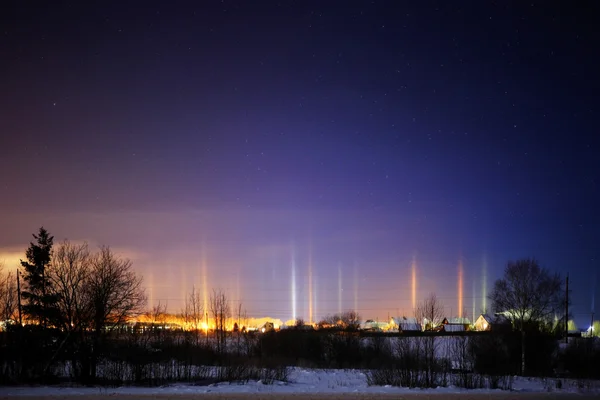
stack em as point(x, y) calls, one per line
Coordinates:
point(352, 136)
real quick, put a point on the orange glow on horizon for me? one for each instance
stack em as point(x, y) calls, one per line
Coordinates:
point(204, 280)
point(178, 321)
point(460, 289)
point(310, 288)
point(151, 288)
point(414, 283)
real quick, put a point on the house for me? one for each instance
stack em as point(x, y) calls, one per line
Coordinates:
point(370, 325)
point(455, 325)
point(495, 322)
point(267, 327)
point(403, 324)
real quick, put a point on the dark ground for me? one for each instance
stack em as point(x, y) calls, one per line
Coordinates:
point(329, 396)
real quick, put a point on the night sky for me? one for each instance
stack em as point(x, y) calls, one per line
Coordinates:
point(244, 145)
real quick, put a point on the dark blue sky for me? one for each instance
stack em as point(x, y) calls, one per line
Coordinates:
point(352, 136)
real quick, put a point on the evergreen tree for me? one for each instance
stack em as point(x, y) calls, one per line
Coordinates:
point(41, 301)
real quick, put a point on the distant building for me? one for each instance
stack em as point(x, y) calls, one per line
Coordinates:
point(455, 325)
point(140, 327)
point(403, 324)
point(496, 322)
point(267, 327)
point(370, 325)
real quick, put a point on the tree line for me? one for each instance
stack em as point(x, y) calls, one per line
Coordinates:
point(75, 303)
point(71, 299)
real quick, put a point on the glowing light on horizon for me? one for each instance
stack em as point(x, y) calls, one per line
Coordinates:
point(294, 304)
point(234, 298)
point(594, 293)
point(238, 291)
point(355, 289)
point(151, 288)
point(460, 289)
point(315, 300)
point(484, 285)
point(340, 289)
point(183, 284)
point(414, 283)
point(204, 280)
point(310, 287)
point(474, 305)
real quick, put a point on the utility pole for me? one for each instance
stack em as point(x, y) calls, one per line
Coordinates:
point(19, 299)
point(592, 325)
point(206, 329)
point(567, 312)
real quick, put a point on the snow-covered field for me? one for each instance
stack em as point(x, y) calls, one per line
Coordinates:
point(310, 381)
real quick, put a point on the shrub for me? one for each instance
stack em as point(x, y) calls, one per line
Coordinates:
point(582, 357)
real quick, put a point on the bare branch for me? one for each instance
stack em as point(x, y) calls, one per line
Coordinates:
point(528, 294)
point(115, 291)
point(8, 296)
point(220, 311)
point(430, 312)
point(71, 268)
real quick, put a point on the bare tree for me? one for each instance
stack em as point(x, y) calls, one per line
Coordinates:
point(528, 295)
point(430, 312)
point(350, 320)
point(157, 319)
point(463, 360)
point(114, 290)
point(71, 269)
point(346, 320)
point(220, 311)
point(115, 294)
point(193, 313)
point(330, 321)
point(68, 284)
point(8, 297)
point(158, 314)
point(238, 330)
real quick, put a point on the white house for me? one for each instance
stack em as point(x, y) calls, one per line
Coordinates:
point(487, 322)
point(456, 324)
point(403, 324)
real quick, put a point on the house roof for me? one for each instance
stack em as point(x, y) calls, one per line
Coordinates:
point(370, 324)
point(454, 328)
point(407, 324)
point(458, 321)
point(498, 319)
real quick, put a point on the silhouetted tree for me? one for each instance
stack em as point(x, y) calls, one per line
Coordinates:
point(350, 320)
point(70, 270)
point(115, 294)
point(157, 316)
point(430, 312)
point(68, 275)
point(8, 297)
point(114, 289)
point(41, 300)
point(193, 313)
point(220, 311)
point(347, 320)
point(528, 295)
